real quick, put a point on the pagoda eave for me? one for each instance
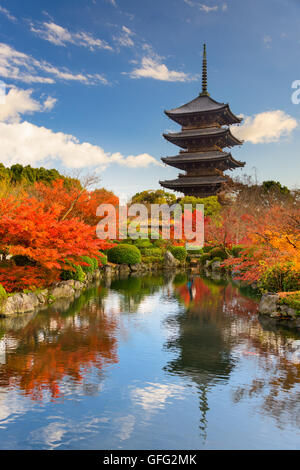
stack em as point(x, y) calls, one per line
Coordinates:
point(220, 160)
point(214, 136)
point(222, 115)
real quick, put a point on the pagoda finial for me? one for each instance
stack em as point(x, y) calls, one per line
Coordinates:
point(204, 73)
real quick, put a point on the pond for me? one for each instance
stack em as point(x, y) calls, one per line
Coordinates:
point(154, 362)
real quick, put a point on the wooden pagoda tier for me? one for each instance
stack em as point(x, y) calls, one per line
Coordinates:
point(204, 111)
point(199, 186)
point(201, 160)
point(204, 138)
point(205, 132)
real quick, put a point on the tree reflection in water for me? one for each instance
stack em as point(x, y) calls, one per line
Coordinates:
point(57, 345)
point(217, 326)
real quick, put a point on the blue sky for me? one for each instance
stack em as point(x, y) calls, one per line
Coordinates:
point(87, 83)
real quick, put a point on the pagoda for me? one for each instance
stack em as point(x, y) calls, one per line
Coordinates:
point(205, 132)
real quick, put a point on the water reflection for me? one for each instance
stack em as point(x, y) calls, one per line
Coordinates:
point(58, 345)
point(148, 344)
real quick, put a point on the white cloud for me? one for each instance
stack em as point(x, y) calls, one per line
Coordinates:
point(26, 143)
point(17, 102)
point(265, 127)
point(8, 15)
point(125, 38)
point(61, 36)
point(49, 103)
point(113, 3)
point(20, 66)
point(156, 395)
point(207, 8)
point(152, 67)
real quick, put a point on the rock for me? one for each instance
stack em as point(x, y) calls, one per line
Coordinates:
point(20, 303)
point(108, 271)
point(42, 296)
point(77, 285)
point(135, 267)
point(268, 304)
point(216, 266)
point(62, 290)
point(124, 269)
point(170, 261)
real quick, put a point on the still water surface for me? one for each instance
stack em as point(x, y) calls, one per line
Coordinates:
point(150, 363)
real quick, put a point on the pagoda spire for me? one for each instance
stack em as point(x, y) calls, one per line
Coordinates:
point(204, 73)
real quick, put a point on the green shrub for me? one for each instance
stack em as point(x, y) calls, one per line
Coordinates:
point(204, 258)
point(152, 259)
point(142, 243)
point(196, 251)
point(124, 254)
point(218, 252)
point(3, 294)
point(179, 252)
point(236, 250)
point(280, 278)
point(207, 248)
point(90, 264)
point(293, 301)
point(153, 252)
point(103, 259)
point(77, 274)
point(159, 243)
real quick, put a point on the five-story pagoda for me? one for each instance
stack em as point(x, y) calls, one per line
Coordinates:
point(205, 132)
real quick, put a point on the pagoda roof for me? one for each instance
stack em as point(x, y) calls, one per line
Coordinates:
point(187, 181)
point(203, 104)
point(183, 138)
point(199, 157)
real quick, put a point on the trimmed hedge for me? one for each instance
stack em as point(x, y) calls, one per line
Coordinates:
point(124, 254)
point(204, 258)
point(218, 252)
point(179, 252)
point(76, 275)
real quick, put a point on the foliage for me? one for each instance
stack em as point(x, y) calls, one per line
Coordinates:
point(275, 187)
point(212, 207)
point(236, 250)
point(218, 252)
point(103, 259)
point(41, 228)
point(205, 257)
point(89, 266)
point(152, 196)
point(291, 300)
point(156, 252)
point(76, 273)
point(179, 252)
point(124, 254)
point(280, 278)
point(18, 174)
point(3, 294)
